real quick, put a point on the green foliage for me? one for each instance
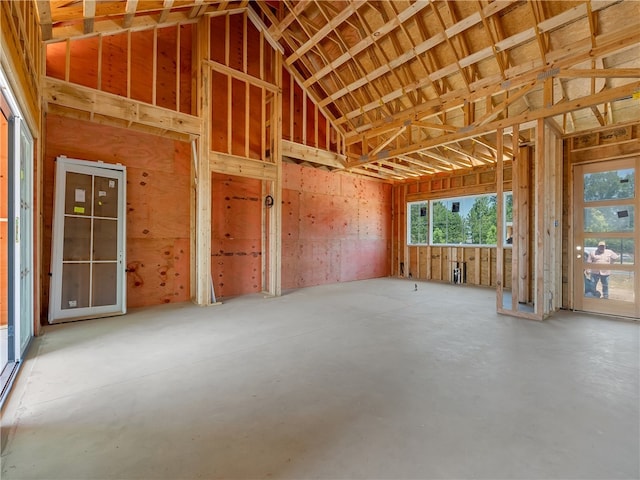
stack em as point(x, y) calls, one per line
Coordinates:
point(611, 185)
point(418, 223)
point(481, 221)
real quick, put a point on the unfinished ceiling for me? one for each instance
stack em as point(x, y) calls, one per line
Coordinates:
point(419, 87)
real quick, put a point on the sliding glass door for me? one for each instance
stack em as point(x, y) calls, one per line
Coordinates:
point(16, 236)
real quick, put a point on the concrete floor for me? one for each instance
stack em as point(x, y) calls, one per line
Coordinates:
point(366, 379)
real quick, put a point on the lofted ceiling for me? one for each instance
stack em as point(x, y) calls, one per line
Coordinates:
point(420, 87)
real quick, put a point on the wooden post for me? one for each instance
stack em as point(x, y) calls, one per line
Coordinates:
point(521, 204)
point(202, 222)
point(515, 214)
point(500, 222)
point(539, 222)
point(275, 230)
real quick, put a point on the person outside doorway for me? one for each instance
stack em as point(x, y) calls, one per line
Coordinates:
point(602, 256)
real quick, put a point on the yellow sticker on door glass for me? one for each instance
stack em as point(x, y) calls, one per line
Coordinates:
point(78, 209)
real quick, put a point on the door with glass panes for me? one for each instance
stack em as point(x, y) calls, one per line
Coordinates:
point(88, 256)
point(606, 268)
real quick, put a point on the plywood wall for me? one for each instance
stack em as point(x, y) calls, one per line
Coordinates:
point(158, 204)
point(152, 66)
point(335, 227)
point(236, 235)
point(302, 121)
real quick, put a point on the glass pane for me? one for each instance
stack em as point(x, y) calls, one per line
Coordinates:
point(105, 202)
point(105, 239)
point(609, 219)
point(611, 185)
point(623, 248)
point(465, 220)
point(508, 218)
point(78, 194)
point(104, 284)
point(418, 223)
point(75, 286)
point(26, 245)
point(77, 239)
point(615, 286)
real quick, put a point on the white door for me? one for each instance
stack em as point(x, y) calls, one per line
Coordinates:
point(88, 252)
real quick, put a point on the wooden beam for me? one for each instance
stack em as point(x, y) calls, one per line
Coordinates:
point(366, 42)
point(85, 99)
point(516, 77)
point(88, 14)
point(386, 142)
point(259, 24)
point(500, 108)
point(446, 160)
point(433, 126)
point(44, 18)
point(464, 153)
point(241, 166)
point(129, 13)
point(166, 9)
point(421, 48)
point(599, 73)
point(422, 165)
point(349, 10)
point(277, 29)
point(312, 155)
point(198, 9)
point(558, 109)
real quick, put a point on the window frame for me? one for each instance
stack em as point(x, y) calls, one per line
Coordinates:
point(409, 223)
point(453, 200)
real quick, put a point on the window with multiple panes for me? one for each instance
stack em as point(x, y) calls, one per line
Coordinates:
point(468, 220)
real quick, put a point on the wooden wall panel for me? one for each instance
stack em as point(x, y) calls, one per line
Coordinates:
point(322, 132)
point(220, 112)
point(236, 40)
point(298, 121)
point(187, 70)
point(238, 116)
point(255, 122)
point(310, 124)
point(218, 39)
point(158, 271)
point(287, 131)
point(154, 66)
point(142, 66)
point(55, 60)
point(254, 68)
point(166, 69)
point(236, 235)
point(114, 65)
point(158, 204)
point(335, 227)
point(84, 62)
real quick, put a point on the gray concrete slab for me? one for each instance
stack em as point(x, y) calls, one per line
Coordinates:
point(365, 379)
